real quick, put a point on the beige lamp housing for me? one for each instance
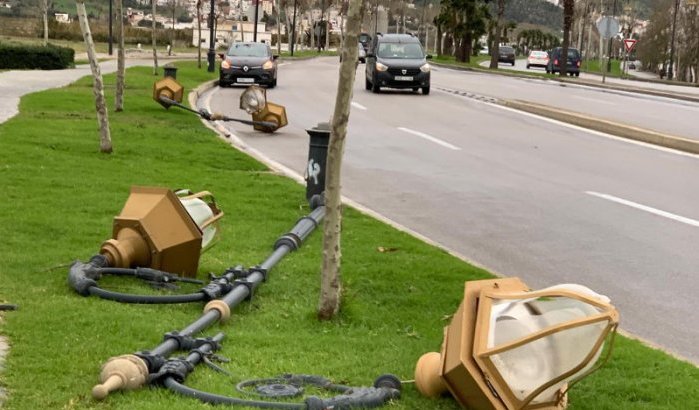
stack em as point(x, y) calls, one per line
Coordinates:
point(511, 348)
point(254, 101)
point(168, 87)
point(160, 230)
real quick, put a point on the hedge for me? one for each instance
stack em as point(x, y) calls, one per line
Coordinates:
point(31, 57)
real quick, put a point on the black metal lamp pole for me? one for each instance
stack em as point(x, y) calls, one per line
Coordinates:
point(257, 8)
point(672, 41)
point(293, 29)
point(111, 14)
point(320, 26)
point(211, 55)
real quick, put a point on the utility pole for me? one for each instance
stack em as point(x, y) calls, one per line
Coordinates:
point(320, 26)
point(211, 55)
point(293, 29)
point(257, 8)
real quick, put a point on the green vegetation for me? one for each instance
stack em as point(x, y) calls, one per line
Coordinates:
point(594, 66)
point(60, 196)
point(306, 53)
point(48, 57)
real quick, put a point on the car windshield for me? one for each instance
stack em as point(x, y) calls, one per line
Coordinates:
point(506, 49)
point(400, 50)
point(364, 38)
point(573, 53)
point(539, 54)
point(248, 50)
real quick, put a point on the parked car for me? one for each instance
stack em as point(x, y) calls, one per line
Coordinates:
point(397, 61)
point(248, 63)
point(361, 54)
point(572, 64)
point(506, 54)
point(537, 58)
point(365, 40)
point(484, 51)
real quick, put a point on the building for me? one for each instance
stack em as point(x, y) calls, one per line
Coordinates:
point(229, 32)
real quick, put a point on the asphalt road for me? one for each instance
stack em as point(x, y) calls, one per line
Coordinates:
point(518, 194)
point(665, 115)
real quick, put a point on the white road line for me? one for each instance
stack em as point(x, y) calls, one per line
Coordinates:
point(358, 105)
point(575, 127)
point(430, 138)
point(655, 211)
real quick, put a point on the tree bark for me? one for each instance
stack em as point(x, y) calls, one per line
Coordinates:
point(45, 15)
point(98, 85)
point(279, 29)
point(153, 33)
point(331, 283)
point(121, 58)
point(199, 33)
point(495, 49)
point(568, 9)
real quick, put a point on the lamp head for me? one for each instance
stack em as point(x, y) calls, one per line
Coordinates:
point(510, 348)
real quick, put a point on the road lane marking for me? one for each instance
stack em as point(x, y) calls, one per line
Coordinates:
point(282, 64)
point(655, 211)
point(571, 126)
point(430, 138)
point(358, 105)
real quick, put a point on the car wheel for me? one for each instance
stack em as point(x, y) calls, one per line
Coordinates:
point(426, 90)
point(513, 64)
point(527, 66)
point(222, 83)
point(367, 84)
point(272, 84)
point(577, 74)
point(375, 88)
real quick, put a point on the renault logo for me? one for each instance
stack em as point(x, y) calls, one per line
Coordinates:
point(246, 68)
point(404, 71)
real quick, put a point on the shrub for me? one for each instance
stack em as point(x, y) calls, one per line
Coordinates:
point(31, 57)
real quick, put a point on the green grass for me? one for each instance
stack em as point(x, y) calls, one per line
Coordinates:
point(306, 53)
point(594, 67)
point(60, 196)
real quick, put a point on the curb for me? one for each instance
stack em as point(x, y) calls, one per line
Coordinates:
point(609, 127)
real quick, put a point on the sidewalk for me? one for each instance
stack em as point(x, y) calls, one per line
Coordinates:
point(16, 83)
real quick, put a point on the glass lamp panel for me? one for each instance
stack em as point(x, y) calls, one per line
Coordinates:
point(527, 367)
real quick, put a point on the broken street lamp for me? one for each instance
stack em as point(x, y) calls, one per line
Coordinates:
point(511, 348)
point(254, 101)
point(160, 230)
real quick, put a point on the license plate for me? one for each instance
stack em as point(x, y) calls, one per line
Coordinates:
point(246, 80)
point(403, 78)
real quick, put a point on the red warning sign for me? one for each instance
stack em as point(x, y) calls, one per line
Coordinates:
point(629, 44)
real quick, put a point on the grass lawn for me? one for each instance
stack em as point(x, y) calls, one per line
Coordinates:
point(593, 66)
point(60, 196)
point(305, 53)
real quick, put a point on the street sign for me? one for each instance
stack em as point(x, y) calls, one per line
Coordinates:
point(629, 44)
point(608, 26)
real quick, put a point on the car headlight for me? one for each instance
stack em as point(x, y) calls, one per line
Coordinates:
point(381, 67)
point(225, 64)
point(268, 65)
point(425, 68)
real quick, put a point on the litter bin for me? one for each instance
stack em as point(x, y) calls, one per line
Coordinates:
point(170, 71)
point(317, 158)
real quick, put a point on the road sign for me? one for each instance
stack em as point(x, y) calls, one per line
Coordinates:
point(608, 26)
point(629, 44)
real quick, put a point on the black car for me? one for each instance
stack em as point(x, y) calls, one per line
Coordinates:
point(248, 63)
point(397, 61)
point(506, 54)
point(572, 63)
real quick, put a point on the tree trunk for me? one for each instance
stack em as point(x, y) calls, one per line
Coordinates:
point(279, 29)
point(330, 283)
point(313, 31)
point(568, 9)
point(153, 33)
point(495, 50)
point(438, 44)
point(98, 85)
point(327, 31)
point(121, 58)
point(45, 15)
point(199, 33)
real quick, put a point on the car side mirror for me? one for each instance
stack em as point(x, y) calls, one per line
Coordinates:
point(274, 57)
point(429, 56)
point(221, 56)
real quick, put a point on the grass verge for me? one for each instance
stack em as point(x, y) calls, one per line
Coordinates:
point(61, 196)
